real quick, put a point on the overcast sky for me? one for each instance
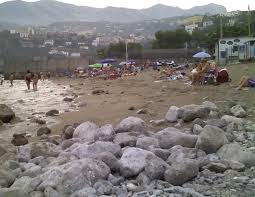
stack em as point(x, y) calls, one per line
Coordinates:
point(138, 4)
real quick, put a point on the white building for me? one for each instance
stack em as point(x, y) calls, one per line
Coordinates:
point(229, 50)
point(191, 28)
point(233, 13)
point(207, 23)
point(231, 22)
point(49, 42)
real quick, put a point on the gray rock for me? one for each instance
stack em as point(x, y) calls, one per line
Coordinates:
point(86, 131)
point(84, 150)
point(234, 152)
point(190, 112)
point(211, 139)
point(6, 113)
point(217, 123)
point(105, 133)
point(143, 180)
point(38, 120)
point(199, 122)
point(155, 167)
point(183, 192)
point(24, 153)
point(33, 171)
point(133, 161)
point(197, 129)
point(12, 192)
point(161, 153)
point(147, 142)
point(115, 180)
point(170, 137)
point(210, 105)
point(131, 124)
point(172, 114)
point(7, 178)
point(237, 166)
point(52, 112)
point(238, 111)
point(36, 194)
point(13, 164)
point(44, 149)
point(68, 132)
point(125, 139)
point(85, 192)
point(179, 173)
point(103, 187)
point(26, 184)
point(68, 99)
point(179, 154)
point(109, 159)
point(216, 167)
point(50, 192)
point(158, 122)
point(232, 119)
point(69, 142)
point(43, 131)
point(19, 140)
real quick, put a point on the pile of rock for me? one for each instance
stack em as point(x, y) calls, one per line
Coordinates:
point(211, 158)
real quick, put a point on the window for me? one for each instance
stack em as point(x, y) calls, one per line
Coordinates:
point(236, 40)
point(223, 42)
point(230, 43)
point(235, 49)
point(223, 54)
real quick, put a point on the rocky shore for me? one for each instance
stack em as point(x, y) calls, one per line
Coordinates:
point(214, 157)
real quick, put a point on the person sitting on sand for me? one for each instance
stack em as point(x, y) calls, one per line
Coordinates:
point(199, 72)
point(35, 78)
point(11, 79)
point(246, 81)
point(28, 78)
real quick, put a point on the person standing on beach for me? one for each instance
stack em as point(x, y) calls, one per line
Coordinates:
point(42, 76)
point(1, 79)
point(11, 79)
point(28, 78)
point(35, 79)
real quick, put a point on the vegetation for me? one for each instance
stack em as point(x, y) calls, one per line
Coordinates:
point(118, 50)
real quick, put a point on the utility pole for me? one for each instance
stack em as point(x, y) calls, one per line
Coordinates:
point(221, 27)
point(249, 21)
point(126, 51)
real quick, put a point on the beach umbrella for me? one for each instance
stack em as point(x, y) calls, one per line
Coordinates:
point(202, 55)
point(108, 61)
point(97, 65)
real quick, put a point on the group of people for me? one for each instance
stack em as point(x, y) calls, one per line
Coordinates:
point(30, 77)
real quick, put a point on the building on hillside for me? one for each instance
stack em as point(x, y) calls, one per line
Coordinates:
point(49, 42)
point(207, 23)
point(230, 50)
point(231, 22)
point(191, 28)
point(233, 13)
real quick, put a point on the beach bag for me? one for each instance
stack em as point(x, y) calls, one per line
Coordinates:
point(251, 82)
point(222, 76)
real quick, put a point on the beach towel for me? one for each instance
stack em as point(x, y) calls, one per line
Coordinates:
point(251, 82)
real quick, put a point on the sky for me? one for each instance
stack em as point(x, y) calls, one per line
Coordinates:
point(139, 4)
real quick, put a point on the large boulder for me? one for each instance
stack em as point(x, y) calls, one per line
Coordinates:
point(189, 113)
point(68, 132)
point(179, 154)
point(26, 183)
point(6, 113)
point(179, 173)
point(105, 133)
point(210, 105)
point(133, 161)
point(75, 175)
point(12, 192)
point(86, 131)
point(170, 137)
point(19, 140)
point(238, 111)
point(217, 123)
point(7, 177)
point(147, 143)
point(211, 139)
point(232, 119)
point(125, 139)
point(45, 149)
point(172, 114)
point(109, 159)
point(155, 167)
point(84, 150)
point(131, 124)
point(234, 152)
